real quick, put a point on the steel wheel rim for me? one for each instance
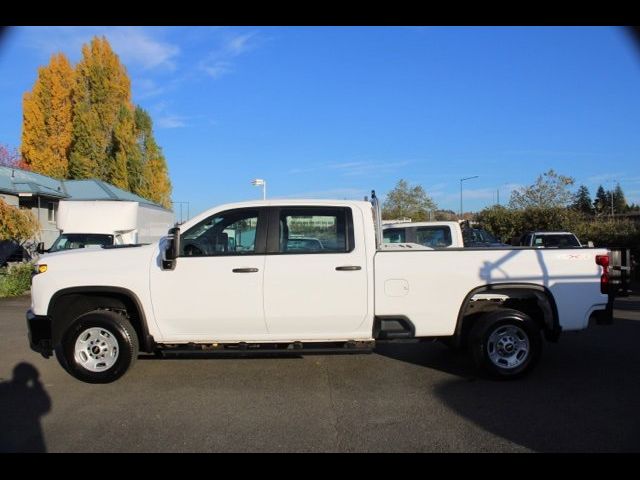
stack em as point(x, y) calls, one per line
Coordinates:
point(508, 347)
point(96, 349)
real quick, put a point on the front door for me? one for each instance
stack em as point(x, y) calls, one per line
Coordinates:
point(215, 292)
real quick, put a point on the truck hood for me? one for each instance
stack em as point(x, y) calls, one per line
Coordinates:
point(97, 250)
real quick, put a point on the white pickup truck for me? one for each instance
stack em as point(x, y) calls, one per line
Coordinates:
point(306, 275)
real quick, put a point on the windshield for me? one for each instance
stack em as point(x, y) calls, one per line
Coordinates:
point(477, 236)
point(557, 240)
point(68, 241)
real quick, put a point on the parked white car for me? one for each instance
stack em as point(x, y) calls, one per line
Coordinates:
point(97, 309)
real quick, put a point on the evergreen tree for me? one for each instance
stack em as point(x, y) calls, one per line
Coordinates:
point(601, 204)
point(102, 131)
point(47, 119)
point(582, 202)
point(619, 200)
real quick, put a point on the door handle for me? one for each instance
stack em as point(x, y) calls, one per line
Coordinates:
point(244, 270)
point(348, 268)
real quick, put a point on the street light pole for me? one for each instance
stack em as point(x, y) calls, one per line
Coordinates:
point(462, 180)
point(259, 182)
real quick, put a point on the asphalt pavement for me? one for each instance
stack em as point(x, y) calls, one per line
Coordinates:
point(583, 397)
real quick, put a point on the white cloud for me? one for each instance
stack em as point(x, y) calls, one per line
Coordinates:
point(217, 69)
point(171, 121)
point(219, 62)
point(357, 168)
point(137, 47)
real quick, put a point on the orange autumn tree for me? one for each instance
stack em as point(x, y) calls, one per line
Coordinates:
point(47, 119)
point(81, 123)
point(16, 224)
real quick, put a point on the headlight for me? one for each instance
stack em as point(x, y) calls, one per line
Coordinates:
point(40, 268)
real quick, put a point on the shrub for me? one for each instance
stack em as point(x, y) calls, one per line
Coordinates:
point(15, 279)
point(16, 224)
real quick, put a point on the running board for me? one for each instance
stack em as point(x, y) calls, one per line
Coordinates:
point(243, 348)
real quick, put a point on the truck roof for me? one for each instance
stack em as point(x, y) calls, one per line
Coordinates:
point(275, 202)
point(421, 224)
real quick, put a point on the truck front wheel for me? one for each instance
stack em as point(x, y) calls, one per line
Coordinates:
point(99, 347)
point(506, 344)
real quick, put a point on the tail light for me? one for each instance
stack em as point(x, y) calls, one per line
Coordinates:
point(603, 261)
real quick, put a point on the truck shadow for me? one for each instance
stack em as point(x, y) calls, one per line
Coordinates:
point(583, 396)
point(23, 401)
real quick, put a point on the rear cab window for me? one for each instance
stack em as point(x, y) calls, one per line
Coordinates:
point(394, 235)
point(315, 230)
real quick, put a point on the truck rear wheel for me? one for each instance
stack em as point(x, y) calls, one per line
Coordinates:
point(506, 344)
point(99, 347)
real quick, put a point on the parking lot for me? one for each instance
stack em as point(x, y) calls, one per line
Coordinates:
point(417, 397)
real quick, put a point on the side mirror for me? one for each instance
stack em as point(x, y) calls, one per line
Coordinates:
point(40, 248)
point(590, 244)
point(172, 249)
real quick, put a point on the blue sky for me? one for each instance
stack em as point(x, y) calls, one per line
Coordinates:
point(333, 112)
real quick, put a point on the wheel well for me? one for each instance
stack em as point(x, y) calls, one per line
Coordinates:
point(536, 301)
point(65, 308)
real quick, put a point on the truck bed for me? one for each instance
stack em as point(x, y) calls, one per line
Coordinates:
point(430, 286)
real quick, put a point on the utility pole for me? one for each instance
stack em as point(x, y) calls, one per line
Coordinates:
point(612, 189)
point(462, 180)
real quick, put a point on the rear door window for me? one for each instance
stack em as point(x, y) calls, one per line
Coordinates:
point(313, 230)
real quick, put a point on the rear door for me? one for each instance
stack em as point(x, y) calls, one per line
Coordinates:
point(315, 283)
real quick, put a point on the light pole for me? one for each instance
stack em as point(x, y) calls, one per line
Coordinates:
point(259, 182)
point(181, 204)
point(498, 191)
point(462, 180)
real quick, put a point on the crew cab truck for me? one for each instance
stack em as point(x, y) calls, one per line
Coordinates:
point(195, 290)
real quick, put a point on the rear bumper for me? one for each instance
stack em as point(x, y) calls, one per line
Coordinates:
point(39, 328)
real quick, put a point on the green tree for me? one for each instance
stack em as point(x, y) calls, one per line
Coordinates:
point(102, 124)
point(551, 190)
point(407, 201)
point(505, 223)
point(152, 181)
point(582, 202)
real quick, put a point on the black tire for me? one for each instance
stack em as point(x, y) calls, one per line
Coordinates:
point(115, 325)
point(506, 325)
